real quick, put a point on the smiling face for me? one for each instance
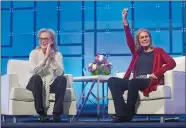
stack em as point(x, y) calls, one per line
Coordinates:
point(144, 39)
point(46, 36)
point(44, 39)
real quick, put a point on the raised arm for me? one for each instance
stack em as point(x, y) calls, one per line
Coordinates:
point(129, 37)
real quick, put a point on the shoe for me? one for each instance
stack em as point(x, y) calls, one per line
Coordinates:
point(44, 118)
point(56, 118)
point(120, 119)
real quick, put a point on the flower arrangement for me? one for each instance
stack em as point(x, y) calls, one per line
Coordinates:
point(100, 66)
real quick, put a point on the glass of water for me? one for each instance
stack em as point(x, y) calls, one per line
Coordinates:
point(85, 73)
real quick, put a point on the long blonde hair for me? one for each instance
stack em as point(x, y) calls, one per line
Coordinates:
point(137, 43)
point(52, 36)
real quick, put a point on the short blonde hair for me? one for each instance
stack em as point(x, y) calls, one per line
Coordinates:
point(137, 43)
point(52, 36)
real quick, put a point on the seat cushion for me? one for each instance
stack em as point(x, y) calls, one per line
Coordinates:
point(21, 94)
point(162, 92)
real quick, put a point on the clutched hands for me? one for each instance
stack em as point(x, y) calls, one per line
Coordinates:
point(49, 49)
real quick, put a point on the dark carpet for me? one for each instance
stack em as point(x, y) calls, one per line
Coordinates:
point(89, 120)
point(91, 124)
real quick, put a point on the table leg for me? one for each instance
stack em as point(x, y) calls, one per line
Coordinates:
point(82, 95)
point(81, 108)
point(103, 95)
point(98, 98)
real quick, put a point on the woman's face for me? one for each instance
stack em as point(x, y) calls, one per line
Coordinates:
point(144, 39)
point(45, 39)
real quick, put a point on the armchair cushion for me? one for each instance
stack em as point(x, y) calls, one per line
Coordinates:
point(22, 94)
point(163, 92)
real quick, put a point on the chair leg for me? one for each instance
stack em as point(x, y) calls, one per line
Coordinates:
point(70, 118)
point(162, 119)
point(148, 118)
point(14, 119)
point(4, 119)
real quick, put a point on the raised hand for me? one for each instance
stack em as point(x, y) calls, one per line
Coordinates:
point(124, 13)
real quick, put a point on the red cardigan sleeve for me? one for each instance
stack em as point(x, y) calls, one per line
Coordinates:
point(130, 40)
point(168, 61)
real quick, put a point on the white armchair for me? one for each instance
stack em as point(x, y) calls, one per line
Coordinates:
point(17, 100)
point(165, 100)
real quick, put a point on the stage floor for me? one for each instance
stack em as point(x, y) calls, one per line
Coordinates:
point(92, 124)
point(88, 121)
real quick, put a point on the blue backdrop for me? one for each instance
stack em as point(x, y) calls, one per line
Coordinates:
point(86, 28)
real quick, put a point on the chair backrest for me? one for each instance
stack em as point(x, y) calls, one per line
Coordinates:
point(21, 68)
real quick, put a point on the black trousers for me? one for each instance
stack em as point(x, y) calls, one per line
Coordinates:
point(117, 87)
point(58, 87)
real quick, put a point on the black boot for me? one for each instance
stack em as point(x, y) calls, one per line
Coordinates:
point(127, 118)
point(44, 117)
point(56, 118)
point(120, 119)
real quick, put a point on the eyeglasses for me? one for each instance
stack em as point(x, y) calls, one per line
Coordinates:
point(45, 39)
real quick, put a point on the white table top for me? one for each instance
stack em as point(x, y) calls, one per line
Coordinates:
point(101, 78)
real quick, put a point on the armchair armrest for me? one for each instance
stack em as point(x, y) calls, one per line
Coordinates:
point(8, 81)
point(69, 80)
point(179, 92)
point(168, 80)
point(122, 74)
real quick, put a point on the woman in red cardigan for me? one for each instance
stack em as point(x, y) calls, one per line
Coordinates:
point(148, 65)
